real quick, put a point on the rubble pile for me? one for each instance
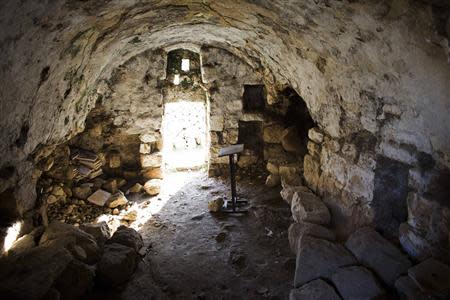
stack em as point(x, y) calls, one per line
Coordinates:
point(79, 188)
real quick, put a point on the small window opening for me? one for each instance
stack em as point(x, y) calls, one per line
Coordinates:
point(254, 98)
point(185, 64)
point(250, 134)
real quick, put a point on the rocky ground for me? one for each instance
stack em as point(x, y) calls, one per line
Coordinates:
point(194, 254)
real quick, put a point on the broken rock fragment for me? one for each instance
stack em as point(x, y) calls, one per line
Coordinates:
point(118, 199)
point(307, 207)
point(153, 187)
point(99, 197)
point(297, 230)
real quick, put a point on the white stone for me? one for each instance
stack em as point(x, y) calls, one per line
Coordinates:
point(307, 207)
point(153, 187)
point(315, 135)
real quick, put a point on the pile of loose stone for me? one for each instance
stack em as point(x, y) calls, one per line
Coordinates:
point(62, 261)
point(366, 266)
point(87, 201)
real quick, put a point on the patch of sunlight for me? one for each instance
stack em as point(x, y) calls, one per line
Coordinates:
point(11, 235)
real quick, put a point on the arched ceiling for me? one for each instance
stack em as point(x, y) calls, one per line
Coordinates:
point(334, 53)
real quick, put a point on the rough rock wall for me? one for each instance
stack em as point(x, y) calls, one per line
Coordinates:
point(371, 69)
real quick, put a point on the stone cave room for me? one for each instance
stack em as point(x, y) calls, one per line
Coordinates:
point(224, 149)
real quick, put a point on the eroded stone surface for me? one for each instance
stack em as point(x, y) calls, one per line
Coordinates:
point(319, 258)
point(298, 230)
point(375, 252)
point(357, 282)
point(314, 290)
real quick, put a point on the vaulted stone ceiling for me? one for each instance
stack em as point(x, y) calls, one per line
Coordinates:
point(375, 66)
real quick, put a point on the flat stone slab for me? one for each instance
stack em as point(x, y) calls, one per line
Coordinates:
point(100, 197)
point(314, 290)
point(378, 254)
point(307, 207)
point(432, 276)
point(408, 289)
point(298, 230)
point(356, 282)
point(318, 258)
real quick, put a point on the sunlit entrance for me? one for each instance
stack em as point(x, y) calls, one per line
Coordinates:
point(184, 135)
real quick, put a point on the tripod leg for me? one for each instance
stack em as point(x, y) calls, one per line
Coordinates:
point(233, 181)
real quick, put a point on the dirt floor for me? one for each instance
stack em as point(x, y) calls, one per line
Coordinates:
point(194, 254)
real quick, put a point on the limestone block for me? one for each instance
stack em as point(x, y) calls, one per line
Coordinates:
point(216, 123)
point(100, 231)
point(290, 140)
point(231, 136)
point(273, 168)
point(408, 289)
point(153, 187)
point(298, 230)
point(315, 135)
point(356, 282)
point(376, 253)
point(307, 207)
point(99, 197)
point(288, 191)
point(117, 265)
point(215, 205)
point(273, 180)
point(314, 290)
point(414, 243)
point(290, 175)
point(246, 161)
point(433, 277)
point(145, 148)
point(311, 171)
point(81, 245)
point(137, 188)
point(153, 173)
point(272, 134)
point(428, 218)
point(116, 200)
point(153, 160)
point(47, 263)
point(317, 258)
point(313, 149)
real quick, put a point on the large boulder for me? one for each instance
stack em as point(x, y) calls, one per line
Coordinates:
point(307, 207)
point(30, 275)
point(433, 277)
point(99, 231)
point(356, 282)
point(298, 230)
point(75, 281)
point(117, 264)
point(314, 290)
point(318, 258)
point(291, 140)
point(375, 252)
point(81, 244)
point(128, 237)
point(408, 289)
